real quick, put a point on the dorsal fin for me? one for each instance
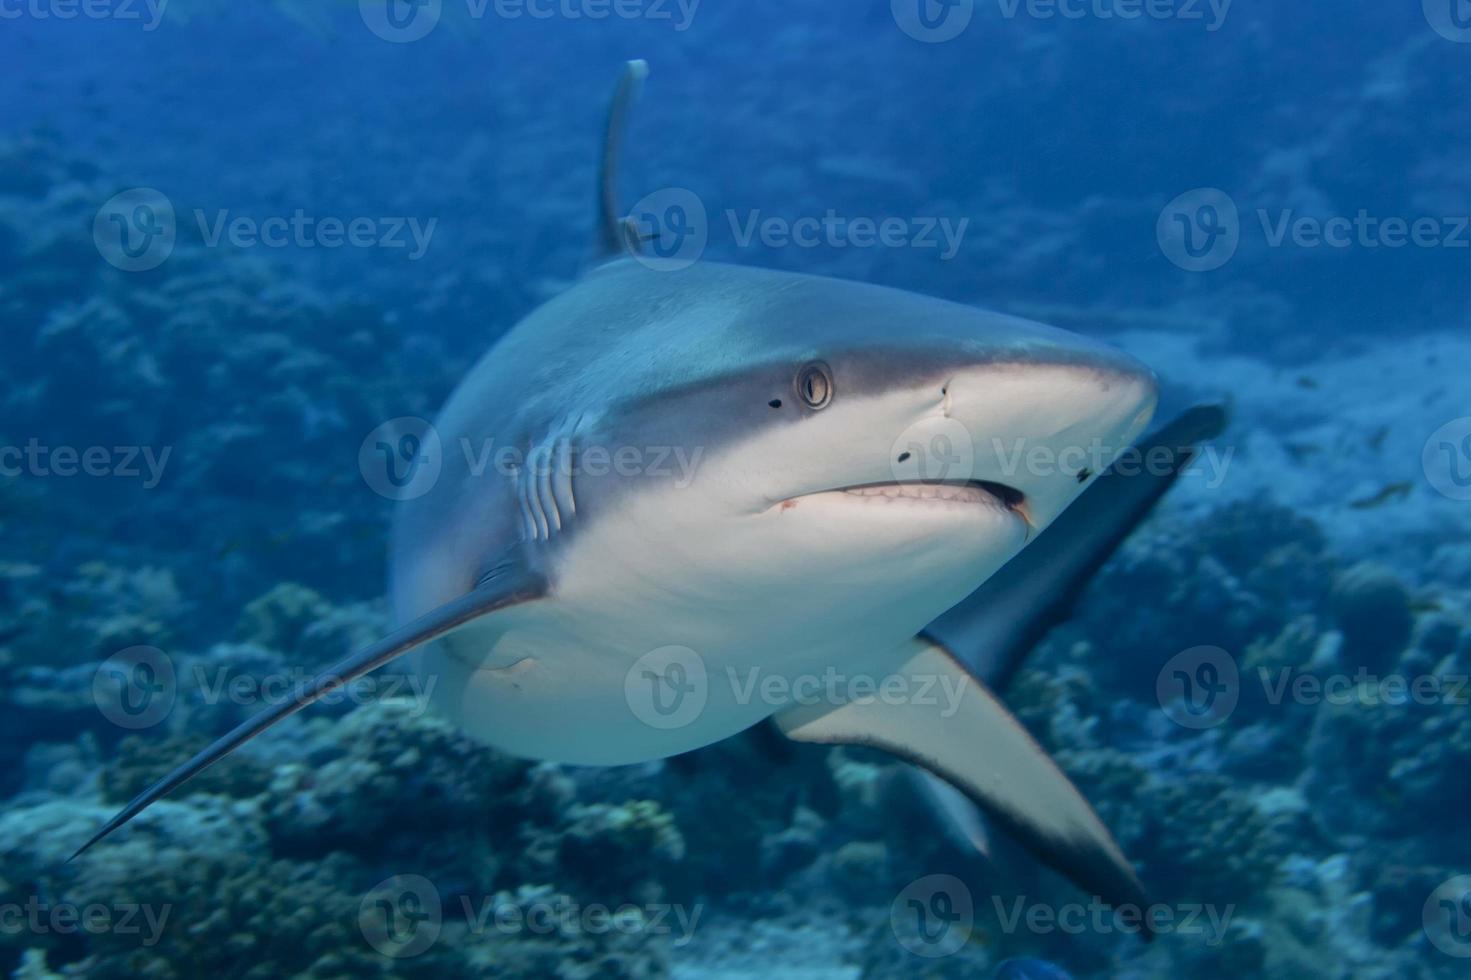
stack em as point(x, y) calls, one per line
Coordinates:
point(615, 236)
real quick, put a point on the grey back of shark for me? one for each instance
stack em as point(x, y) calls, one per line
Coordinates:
point(577, 610)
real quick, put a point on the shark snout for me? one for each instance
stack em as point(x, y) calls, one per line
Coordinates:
point(1046, 430)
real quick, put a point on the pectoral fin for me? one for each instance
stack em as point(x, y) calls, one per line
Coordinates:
point(975, 744)
point(997, 625)
point(507, 586)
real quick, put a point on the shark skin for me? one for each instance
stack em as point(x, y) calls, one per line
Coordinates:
point(696, 477)
point(757, 558)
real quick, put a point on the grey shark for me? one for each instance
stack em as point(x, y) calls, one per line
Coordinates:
point(847, 514)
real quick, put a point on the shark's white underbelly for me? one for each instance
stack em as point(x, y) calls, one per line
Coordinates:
point(583, 684)
point(657, 642)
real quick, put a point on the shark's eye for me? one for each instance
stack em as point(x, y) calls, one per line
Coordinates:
point(815, 385)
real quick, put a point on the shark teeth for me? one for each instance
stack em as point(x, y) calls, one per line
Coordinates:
point(967, 493)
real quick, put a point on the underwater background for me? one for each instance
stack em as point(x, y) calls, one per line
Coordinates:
point(237, 239)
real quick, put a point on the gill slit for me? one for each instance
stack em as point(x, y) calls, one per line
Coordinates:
point(545, 485)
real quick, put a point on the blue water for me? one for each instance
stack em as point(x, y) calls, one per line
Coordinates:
point(235, 240)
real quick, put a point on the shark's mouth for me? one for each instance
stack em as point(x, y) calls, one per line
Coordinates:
point(981, 492)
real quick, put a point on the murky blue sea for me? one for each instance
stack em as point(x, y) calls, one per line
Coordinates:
point(733, 614)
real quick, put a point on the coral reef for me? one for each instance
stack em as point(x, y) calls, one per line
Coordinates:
point(1321, 811)
point(1372, 608)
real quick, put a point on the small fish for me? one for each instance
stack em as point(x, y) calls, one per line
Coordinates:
point(1395, 491)
point(1027, 968)
point(1311, 384)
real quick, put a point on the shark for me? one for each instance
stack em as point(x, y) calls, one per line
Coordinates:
point(852, 516)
